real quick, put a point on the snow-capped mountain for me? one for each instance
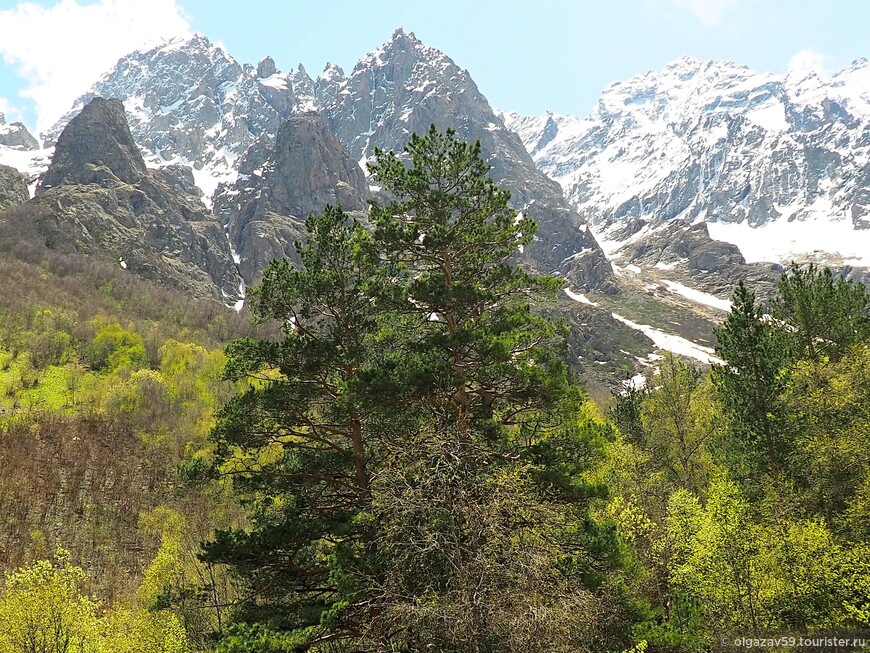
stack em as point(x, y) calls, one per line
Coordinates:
point(15, 136)
point(190, 102)
point(404, 87)
point(778, 165)
point(20, 150)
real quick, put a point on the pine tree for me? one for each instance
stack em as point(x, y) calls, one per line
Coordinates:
point(826, 314)
point(750, 385)
point(409, 450)
point(449, 236)
point(502, 417)
point(297, 442)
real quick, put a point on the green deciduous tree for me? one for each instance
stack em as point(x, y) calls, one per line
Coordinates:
point(679, 421)
point(43, 609)
point(829, 401)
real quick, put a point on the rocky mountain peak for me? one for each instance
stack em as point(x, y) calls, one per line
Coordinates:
point(281, 184)
point(332, 72)
point(404, 39)
point(98, 197)
point(266, 68)
point(327, 85)
point(16, 136)
point(95, 147)
point(403, 87)
point(188, 101)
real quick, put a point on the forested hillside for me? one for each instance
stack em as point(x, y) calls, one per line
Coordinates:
point(390, 453)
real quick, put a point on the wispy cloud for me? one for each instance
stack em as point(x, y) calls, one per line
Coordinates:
point(810, 60)
point(7, 110)
point(59, 51)
point(708, 12)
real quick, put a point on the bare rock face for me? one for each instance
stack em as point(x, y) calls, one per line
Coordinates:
point(95, 148)
point(13, 187)
point(280, 186)
point(405, 87)
point(266, 68)
point(97, 196)
point(16, 136)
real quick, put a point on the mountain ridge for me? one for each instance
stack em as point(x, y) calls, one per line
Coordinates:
point(717, 142)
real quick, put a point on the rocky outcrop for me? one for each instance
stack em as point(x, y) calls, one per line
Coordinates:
point(677, 242)
point(96, 148)
point(280, 186)
point(13, 187)
point(16, 136)
point(404, 87)
point(189, 101)
point(97, 196)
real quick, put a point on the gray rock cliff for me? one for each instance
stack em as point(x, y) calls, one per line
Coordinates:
point(16, 136)
point(97, 196)
point(280, 185)
point(13, 187)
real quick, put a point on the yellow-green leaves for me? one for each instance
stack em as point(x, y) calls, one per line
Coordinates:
point(43, 609)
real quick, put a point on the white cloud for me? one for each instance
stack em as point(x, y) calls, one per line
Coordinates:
point(61, 50)
point(6, 109)
point(810, 60)
point(707, 12)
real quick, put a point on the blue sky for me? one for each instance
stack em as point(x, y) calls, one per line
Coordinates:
point(529, 57)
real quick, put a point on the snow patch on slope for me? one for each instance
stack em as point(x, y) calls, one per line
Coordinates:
point(819, 238)
point(698, 296)
point(672, 343)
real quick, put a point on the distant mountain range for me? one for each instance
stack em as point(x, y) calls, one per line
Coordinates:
point(779, 166)
point(679, 183)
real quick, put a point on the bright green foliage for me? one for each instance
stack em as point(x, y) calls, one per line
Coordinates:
point(44, 610)
point(715, 557)
point(745, 573)
point(830, 404)
point(854, 574)
point(115, 347)
point(140, 631)
point(679, 421)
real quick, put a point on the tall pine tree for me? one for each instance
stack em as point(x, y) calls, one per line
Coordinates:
point(410, 450)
